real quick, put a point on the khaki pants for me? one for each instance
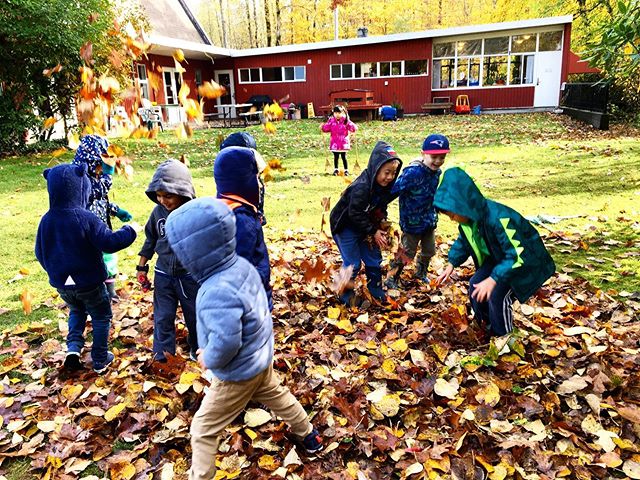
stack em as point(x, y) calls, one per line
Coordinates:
point(410, 242)
point(222, 404)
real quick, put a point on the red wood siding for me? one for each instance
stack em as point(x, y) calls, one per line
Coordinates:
point(410, 91)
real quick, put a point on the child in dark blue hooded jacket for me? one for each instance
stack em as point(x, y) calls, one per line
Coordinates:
point(170, 188)
point(236, 171)
point(356, 218)
point(69, 246)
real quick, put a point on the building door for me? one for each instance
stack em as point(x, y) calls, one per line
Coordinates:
point(225, 79)
point(172, 111)
point(547, 76)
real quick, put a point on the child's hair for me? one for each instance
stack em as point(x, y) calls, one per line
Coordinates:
point(340, 109)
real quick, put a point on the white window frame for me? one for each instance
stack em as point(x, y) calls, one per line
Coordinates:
point(377, 69)
point(304, 69)
point(144, 82)
point(174, 88)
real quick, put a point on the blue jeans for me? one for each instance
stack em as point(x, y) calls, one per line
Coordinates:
point(355, 251)
point(97, 303)
point(497, 311)
point(168, 292)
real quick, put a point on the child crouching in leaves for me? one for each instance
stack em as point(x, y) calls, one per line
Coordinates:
point(234, 332)
point(511, 260)
point(358, 216)
point(170, 187)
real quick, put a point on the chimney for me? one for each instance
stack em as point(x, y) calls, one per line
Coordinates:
point(362, 32)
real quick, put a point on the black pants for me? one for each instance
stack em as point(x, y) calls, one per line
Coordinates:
point(344, 160)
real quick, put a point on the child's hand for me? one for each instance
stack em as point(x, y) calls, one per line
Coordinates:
point(200, 354)
point(444, 276)
point(123, 215)
point(482, 291)
point(144, 282)
point(381, 239)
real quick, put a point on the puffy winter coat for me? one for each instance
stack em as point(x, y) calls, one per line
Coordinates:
point(339, 130)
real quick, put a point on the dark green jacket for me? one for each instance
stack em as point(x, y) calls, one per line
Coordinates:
point(497, 233)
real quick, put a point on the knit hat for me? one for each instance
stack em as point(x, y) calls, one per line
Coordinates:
point(239, 139)
point(235, 172)
point(435, 144)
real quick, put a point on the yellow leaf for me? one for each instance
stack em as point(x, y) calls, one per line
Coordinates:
point(399, 345)
point(47, 426)
point(389, 405)
point(268, 462)
point(254, 417)
point(269, 128)
point(388, 365)
point(489, 394)
point(73, 139)
point(333, 313)
point(24, 271)
point(49, 122)
point(58, 152)
point(54, 461)
point(345, 324)
point(122, 471)
point(250, 433)
point(115, 151)
point(211, 90)
point(114, 411)
point(178, 54)
point(71, 392)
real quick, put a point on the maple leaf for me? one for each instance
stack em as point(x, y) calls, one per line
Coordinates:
point(86, 53)
point(211, 90)
point(318, 272)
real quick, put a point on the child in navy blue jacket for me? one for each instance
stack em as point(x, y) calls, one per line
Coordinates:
point(90, 152)
point(236, 171)
point(416, 187)
point(356, 220)
point(69, 246)
point(170, 187)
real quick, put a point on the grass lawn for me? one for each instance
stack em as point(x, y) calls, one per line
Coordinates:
point(536, 163)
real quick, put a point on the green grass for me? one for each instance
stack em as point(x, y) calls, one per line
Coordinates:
point(535, 163)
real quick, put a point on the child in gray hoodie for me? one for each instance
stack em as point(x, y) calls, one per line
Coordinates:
point(170, 187)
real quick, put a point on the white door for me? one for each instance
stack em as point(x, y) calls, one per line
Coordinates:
point(172, 80)
point(547, 79)
point(225, 79)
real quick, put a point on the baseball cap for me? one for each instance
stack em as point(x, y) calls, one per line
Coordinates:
point(435, 144)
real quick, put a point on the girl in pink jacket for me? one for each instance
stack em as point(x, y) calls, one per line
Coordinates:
point(339, 126)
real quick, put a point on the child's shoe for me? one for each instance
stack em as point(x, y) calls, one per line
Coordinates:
point(335, 172)
point(312, 443)
point(193, 356)
point(100, 369)
point(72, 362)
point(346, 173)
point(374, 283)
point(421, 273)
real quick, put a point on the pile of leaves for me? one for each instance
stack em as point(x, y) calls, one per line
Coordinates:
point(413, 389)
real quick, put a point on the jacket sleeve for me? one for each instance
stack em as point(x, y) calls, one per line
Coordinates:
point(404, 181)
point(351, 126)
point(151, 238)
point(358, 210)
point(221, 318)
point(327, 126)
point(510, 248)
point(106, 240)
point(459, 251)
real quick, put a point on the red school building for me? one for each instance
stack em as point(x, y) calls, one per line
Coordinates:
point(519, 64)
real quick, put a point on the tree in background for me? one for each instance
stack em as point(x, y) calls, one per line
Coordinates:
point(42, 45)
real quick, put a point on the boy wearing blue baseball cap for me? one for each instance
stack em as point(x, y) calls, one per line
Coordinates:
point(416, 188)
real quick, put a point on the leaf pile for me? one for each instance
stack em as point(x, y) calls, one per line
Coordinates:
point(413, 389)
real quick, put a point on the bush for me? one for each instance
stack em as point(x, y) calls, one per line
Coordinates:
point(15, 123)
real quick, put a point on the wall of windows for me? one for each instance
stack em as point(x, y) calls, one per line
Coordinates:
point(398, 68)
point(490, 62)
point(272, 74)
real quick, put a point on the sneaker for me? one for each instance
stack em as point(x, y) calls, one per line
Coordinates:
point(72, 362)
point(392, 283)
point(335, 172)
point(101, 369)
point(193, 356)
point(346, 173)
point(312, 443)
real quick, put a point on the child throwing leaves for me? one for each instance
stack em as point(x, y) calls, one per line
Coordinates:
point(234, 332)
point(339, 126)
point(356, 219)
point(170, 187)
point(511, 260)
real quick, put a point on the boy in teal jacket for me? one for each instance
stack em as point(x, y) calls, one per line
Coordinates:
point(511, 260)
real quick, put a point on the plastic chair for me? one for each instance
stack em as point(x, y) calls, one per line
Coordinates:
point(151, 116)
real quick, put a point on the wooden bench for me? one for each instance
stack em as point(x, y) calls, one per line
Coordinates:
point(247, 117)
point(439, 103)
point(355, 99)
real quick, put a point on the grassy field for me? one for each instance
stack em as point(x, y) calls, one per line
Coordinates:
point(536, 163)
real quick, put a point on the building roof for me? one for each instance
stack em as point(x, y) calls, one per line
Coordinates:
point(173, 19)
point(436, 33)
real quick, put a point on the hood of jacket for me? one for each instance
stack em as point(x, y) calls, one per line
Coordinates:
point(171, 176)
point(202, 234)
point(459, 194)
point(68, 186)
point(90, 152)
point(235, 172)
point(381, 154)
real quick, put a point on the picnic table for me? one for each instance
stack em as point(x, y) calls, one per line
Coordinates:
point(227, 109)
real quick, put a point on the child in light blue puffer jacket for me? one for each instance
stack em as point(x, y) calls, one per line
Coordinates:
point(235, 335)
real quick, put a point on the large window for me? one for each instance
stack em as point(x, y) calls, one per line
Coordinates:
point(272, 74)
point(398, 68)
point(490, 62)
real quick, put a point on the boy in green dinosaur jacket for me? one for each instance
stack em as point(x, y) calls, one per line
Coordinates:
point(511, 260)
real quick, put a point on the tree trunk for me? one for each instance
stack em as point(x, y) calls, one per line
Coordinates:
point(223, 29)
point(251, 36)
point(267, 22)
point(439, 13)
point(255, 24)
point(278, 32)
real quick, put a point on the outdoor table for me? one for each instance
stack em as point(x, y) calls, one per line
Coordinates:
point(227, 108)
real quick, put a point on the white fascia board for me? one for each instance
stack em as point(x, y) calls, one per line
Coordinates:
point(162, 45)
point(444, 32)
